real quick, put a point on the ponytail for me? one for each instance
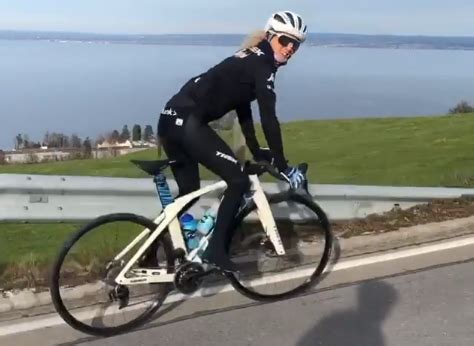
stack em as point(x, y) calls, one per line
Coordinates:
point(254, 39)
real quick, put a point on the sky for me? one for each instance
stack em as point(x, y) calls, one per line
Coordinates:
point(403, 17)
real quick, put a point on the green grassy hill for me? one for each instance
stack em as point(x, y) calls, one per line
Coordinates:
point(422, 151)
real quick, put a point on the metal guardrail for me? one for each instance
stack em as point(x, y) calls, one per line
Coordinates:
point(45, 198)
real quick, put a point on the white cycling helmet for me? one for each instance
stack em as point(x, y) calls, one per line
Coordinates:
point(288, 23)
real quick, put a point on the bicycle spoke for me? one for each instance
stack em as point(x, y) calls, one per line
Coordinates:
point(84, 288)
point(307, 242)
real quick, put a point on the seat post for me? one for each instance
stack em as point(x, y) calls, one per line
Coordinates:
point(163, 189)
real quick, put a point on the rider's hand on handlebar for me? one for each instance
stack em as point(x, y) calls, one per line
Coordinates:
point(264, 154)
point(294, 176)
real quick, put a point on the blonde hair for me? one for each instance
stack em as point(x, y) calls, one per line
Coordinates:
point(254, 38)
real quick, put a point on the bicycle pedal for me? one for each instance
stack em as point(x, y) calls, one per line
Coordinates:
point(123, 303)
point(268, 247)
point(121, 294)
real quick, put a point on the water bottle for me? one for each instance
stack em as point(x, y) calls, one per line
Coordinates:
point(207, 222)
point(189, 225)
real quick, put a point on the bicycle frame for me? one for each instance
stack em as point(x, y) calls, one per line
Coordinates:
point(168, 218)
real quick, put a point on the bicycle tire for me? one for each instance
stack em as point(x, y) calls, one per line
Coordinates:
point(307, 201)
point(58, 302)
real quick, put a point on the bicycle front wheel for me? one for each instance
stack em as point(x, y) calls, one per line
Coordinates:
point(83, 287)
point(307, 238)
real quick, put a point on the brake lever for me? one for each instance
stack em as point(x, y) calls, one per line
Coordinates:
point(268, 167)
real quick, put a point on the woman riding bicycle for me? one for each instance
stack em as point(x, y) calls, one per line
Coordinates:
point(233, 84)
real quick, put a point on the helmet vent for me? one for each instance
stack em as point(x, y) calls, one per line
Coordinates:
point(299, 23)
point(290, 16)
point(279, 18)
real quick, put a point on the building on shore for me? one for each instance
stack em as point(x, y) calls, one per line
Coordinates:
point(45, 154)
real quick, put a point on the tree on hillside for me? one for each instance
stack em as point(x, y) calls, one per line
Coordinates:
point(19, 141)
point(26, 141)
point(100, 139)
point(462, 107)
point(114, 137)
point(76, 141)
point(148, 135)
point(87, 148)
point(35, 145)
point(137, 133)
point(57, 140)
point(46, 138)
point(65, 141)
point(53, 140)
point(125, 135)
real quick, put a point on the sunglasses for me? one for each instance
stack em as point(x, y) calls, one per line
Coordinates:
point(286, 40)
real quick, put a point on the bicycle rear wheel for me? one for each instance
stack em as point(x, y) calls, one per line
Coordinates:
point(83, 287)
point(308, 241)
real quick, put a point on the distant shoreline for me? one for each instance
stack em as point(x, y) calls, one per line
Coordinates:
point(326, 40)
point(399, 46)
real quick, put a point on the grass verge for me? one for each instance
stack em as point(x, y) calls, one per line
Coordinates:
point(419, 151)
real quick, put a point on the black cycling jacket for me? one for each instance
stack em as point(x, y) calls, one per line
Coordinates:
point(233, 84)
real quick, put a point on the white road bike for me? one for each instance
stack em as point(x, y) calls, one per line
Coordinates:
point(115, 272)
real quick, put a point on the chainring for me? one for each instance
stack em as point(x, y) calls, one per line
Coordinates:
point(189, 277)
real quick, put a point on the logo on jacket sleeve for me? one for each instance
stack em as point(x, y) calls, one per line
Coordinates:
point(169, 111)
point(271, 82)
point(226, 157)
point(243, 53)
point(257, 51)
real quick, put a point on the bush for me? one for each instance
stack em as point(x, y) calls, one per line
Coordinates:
point(32, 158)
point(77, 155)
point(462, 107)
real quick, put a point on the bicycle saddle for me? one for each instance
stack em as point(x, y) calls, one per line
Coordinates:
point(153, 167)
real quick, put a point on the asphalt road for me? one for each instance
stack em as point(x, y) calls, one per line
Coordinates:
point(428, 307)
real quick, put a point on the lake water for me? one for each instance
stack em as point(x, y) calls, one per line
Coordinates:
point(93, 88)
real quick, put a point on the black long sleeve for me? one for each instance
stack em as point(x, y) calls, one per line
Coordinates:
point(266, 98)
point(234, 84)
point(244, 113)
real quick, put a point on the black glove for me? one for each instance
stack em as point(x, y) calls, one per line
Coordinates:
point(264, 154)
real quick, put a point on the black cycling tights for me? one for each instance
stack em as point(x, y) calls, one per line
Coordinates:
point(186, 139)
